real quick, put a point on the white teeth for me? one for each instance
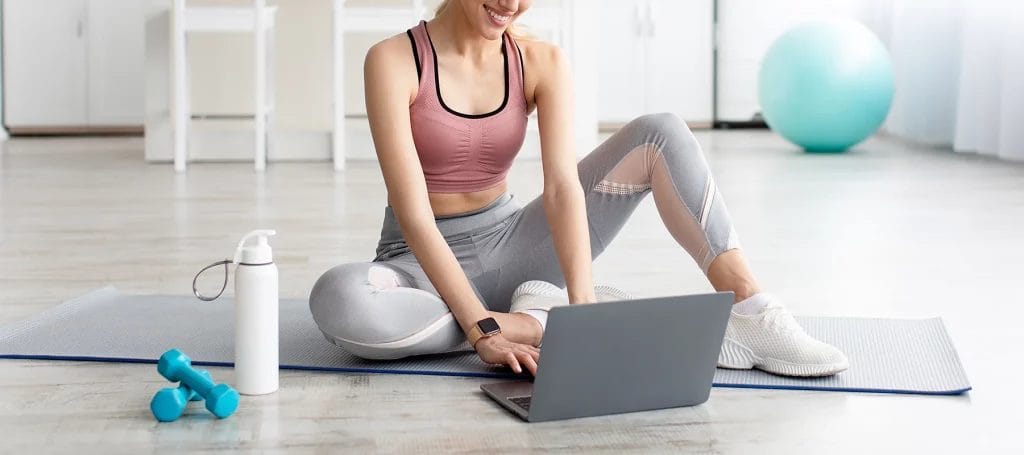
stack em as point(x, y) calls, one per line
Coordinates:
point(498, 17)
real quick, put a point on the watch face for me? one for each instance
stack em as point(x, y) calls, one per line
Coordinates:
point(488, 326)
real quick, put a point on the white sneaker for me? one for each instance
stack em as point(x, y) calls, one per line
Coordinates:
point(537, 295)
point(773, 341)
point(541, 295)
point(610, 294)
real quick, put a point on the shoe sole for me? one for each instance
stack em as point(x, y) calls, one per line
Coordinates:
point(735, 356)
point(610, 294)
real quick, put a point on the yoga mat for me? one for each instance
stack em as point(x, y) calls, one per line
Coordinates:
point(914, 356)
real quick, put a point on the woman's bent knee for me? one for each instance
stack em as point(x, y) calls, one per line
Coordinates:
point(349, 302)
point(362, 308)
point(666, 130)
point(665, 122)
point(335, 298)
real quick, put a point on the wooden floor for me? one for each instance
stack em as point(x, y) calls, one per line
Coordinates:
point(888, 230)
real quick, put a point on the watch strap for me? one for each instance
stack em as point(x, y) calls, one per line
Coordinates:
point(474, 335)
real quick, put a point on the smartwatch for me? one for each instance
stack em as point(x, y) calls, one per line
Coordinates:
point(484, 328)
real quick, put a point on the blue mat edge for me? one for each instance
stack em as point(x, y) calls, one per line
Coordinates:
point(953, 392)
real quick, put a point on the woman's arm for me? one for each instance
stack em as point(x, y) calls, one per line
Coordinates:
point(390, 84)
point(388, 93)
point(564, 204)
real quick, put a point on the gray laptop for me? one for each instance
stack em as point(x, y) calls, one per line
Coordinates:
point(613, 357)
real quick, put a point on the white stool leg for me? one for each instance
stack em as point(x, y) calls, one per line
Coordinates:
point(179, 88)
point(260, 114)
point(338, 133)
point(271, 100)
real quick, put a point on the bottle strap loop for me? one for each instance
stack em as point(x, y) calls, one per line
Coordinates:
point(223, 286)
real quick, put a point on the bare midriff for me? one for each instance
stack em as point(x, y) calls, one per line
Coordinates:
point(446, 204)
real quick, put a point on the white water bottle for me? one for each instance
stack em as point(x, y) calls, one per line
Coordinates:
point(256, 316)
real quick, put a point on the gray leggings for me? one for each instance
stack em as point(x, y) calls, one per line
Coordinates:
point(388, 309)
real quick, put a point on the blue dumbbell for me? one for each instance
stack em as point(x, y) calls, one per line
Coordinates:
point(221, 399)
point(169, 403)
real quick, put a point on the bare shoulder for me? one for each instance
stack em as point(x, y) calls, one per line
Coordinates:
point(394, 49)
point(391, 62)
point(543, 64)
point(540, 55)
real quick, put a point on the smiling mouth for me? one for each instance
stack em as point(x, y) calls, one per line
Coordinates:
point(498, 17)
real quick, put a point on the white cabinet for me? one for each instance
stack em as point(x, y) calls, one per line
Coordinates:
point(115, 64)
point(656, 56)
point(72, 64)
point(44, 63)
point(621, 81)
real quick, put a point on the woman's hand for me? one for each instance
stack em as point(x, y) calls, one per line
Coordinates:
point(498, 350)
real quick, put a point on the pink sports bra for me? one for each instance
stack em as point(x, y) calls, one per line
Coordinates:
point(462, 153)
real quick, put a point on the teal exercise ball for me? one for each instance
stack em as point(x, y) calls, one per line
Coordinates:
point(826, 85)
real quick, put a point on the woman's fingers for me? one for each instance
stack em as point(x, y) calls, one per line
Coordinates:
point(535, 353)
point(527, 359)
point(531, 351)
point(512, 361)
point(517, 356)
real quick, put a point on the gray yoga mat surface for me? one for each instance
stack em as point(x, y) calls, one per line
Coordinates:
point(886, 355)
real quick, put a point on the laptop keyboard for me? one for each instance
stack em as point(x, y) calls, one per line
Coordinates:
point(523, 402)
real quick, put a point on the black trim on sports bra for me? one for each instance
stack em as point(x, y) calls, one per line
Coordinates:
point(415, 54)
point(522, 70)
point(437, 81)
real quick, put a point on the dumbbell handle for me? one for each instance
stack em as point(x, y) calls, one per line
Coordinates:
point(196, 380)
point(188, 392)
point(192, 395)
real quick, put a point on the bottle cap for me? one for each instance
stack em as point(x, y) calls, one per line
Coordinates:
point(258, 253)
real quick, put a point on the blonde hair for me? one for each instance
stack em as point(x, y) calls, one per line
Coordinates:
point(513, 30)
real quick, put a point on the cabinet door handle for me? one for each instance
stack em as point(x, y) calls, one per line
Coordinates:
point(78, 28)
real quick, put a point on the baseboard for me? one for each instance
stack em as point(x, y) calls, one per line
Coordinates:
point(76, 130)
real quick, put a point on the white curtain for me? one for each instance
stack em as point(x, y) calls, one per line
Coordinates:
point(959, 72)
